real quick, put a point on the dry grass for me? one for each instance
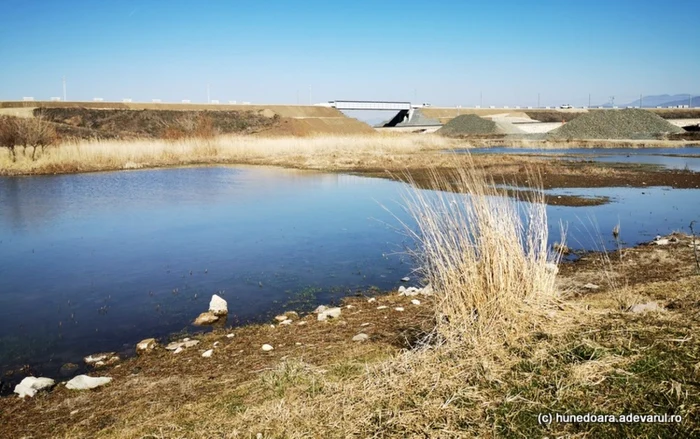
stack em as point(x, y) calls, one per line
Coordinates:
point(311, 152)
point(485, 254)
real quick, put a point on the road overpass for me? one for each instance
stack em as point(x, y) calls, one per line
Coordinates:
point(405, 110)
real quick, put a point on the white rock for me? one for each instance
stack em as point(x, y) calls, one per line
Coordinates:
point(360, 337)
point(208, 353)
point(415, 302)
point(96, 358)
point(401, 289)
point(405, 279)
point(272, 326)
point(399, 308)
point(146, 345)
point(216, 343)
point(364, 324)
point(350, 306)
point(371, 299)
point(84, 382)
point(661, 241)
point(218, 306)
point(427, 290)
point(281, 318)
point(411, 291)
point(301, 323)
point(267, 348)
point(645, 307)
point(229, 335)
point(286, 322)
point(551, 267)
point(330, 313)
point(205, 318)
point(382, 307)
point(178, 350)
point(185, 343)
point(297, 344)
point(591, 286)
point(30, 385)
point(320, 309)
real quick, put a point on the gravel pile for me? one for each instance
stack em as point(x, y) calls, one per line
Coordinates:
point(472, 124)
point(615, 124)
point(419, 119)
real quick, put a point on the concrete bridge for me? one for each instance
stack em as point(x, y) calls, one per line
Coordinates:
point(405, 110)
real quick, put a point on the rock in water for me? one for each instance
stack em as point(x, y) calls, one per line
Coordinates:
point(30, 385)
point(218, 306)
point(146, 345)
point(206, 318)
point(84, 382)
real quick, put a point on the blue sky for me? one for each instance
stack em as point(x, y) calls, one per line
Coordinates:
point(443, 52)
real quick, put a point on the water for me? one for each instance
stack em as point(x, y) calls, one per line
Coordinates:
point(687, 158)
point(97, 262)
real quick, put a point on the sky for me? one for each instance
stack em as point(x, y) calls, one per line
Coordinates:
point(447, 53)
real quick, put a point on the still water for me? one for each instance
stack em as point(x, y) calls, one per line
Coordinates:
point(97, 262)
point(686, 158)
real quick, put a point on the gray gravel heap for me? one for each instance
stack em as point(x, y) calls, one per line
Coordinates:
point(419, 119)
point(615, 124)
point(473, 124)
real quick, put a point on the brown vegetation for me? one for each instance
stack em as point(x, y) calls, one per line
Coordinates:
point(25, 133)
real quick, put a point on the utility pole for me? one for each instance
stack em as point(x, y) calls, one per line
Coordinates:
point(64, 88)
point(612, 101)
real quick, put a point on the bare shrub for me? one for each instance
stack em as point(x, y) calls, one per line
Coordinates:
point(26, 132)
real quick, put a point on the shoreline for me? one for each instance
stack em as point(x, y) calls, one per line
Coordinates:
point(239, 362)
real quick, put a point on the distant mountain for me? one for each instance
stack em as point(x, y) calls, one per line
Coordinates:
point(663, 101)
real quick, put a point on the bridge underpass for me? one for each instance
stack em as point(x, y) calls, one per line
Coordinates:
point(405, 111)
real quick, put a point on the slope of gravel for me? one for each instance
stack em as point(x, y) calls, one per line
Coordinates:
point(467, 124)
point(615, 124)
point(419, 119)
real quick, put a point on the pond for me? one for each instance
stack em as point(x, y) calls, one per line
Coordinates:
point(97, 262)
point(686, 158)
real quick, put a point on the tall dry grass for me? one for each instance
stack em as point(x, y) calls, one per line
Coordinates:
point(312, 152)
point(485, 254)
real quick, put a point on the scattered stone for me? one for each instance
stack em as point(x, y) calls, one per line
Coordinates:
point(622, 124)
point(382, 307)
point(551, 267)
point(84, 382)
point(30, 385)
point(272, 326)
point(216, 343)
point(371, 299)
point(401, 289)
point(399, 308)
point(350, 306)
point(645, 307)
point(267, 348)
point(320, 309)
point(405, 279)
point(74, 412)
point(360, 337)
point(148, 344)
point(92, 360)
point(415, 302)
point(286, 322)
point(208, 354)
point(411, 291)
point(301, 323)
point(229, 335)
point(590, 286)
point(205, 318)
point(661, 241)
point(218, 306)
point(332, 313)
point(297, 344)
point(178, 350)
point(184, 343)
point(281, 318)
point(68, 369)
point(427, 290)
point(292, 315)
